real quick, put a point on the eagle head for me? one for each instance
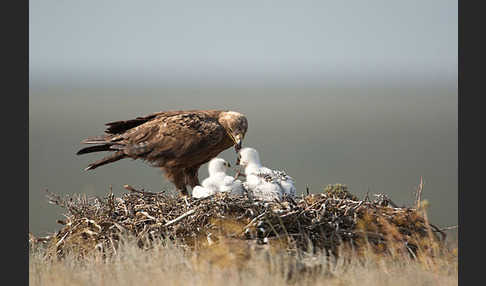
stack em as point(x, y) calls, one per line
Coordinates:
point(236, 125)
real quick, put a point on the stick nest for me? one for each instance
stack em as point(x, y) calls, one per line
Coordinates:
point(313, 222)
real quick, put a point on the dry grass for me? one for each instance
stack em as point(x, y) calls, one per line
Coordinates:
point(233, 263)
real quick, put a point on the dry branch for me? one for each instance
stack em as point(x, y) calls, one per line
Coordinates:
point(180, 217)
point(419, 193)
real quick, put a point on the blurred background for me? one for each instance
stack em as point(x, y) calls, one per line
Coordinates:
point(362, 93)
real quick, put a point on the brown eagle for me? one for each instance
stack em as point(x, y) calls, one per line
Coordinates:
point(178, 142)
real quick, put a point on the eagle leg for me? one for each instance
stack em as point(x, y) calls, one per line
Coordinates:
point(191, 176)
point(178, 178)
point(183, 190)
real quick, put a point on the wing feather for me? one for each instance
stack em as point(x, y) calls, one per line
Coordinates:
point(175, 135)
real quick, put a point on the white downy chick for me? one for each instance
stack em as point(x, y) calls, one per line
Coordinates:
point(218, 181)
point(263, 182)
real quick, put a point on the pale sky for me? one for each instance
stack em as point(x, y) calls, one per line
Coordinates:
point(245, 40)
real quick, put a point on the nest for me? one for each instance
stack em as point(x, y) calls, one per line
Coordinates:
point(313, 222)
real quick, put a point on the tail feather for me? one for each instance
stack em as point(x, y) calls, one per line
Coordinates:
point(92, 149)
point(105, 160)
point(95, 140)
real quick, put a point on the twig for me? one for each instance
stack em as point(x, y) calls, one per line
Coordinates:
point(450, 227)
point(62, 239)
point(418, 198)
point(294, 203)
point(367, 197)
point(204, 198)
point(180, 217)
point(436, 229)
point(131, 189)
point(255, 219)
point(33, 239)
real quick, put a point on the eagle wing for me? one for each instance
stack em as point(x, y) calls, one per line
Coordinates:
point(119, 127)
point(168, 135)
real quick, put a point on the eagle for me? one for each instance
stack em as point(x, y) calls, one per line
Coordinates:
point(178, 142)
